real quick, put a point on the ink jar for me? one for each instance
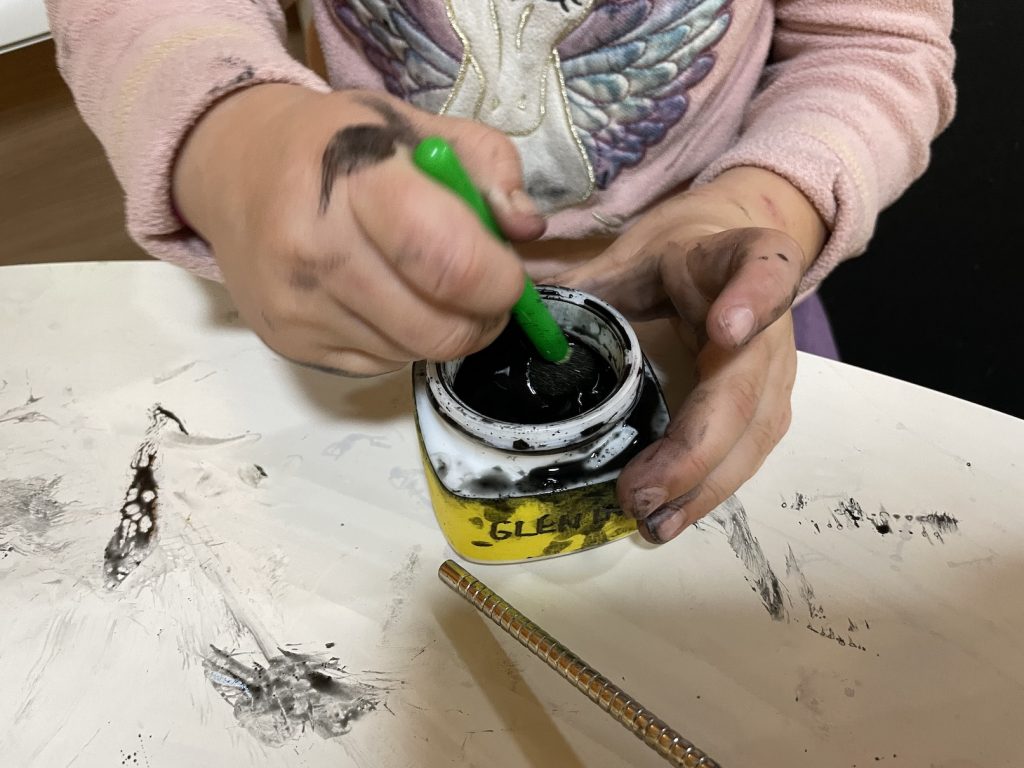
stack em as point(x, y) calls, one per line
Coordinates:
point(505, 491)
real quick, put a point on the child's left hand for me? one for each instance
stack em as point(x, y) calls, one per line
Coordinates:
point(727, 259)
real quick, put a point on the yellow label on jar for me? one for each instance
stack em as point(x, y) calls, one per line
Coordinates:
point(525, 527)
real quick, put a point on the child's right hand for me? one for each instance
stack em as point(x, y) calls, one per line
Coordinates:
point(338, 252)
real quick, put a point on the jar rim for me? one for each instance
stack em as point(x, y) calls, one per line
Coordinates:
point(554, 435)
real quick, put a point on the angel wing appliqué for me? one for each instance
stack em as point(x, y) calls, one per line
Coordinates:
point(584, 89)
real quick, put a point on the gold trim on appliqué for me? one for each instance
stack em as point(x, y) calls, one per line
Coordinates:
point(469, 60)
point(524, 17)
point(572, 128)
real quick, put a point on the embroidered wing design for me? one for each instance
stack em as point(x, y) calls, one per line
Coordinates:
point(628, 69)
point(418, 64)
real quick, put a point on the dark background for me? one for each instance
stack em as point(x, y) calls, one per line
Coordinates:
point(938, 299)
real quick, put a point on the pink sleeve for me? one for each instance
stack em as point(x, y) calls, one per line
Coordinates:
point(143, 72)
point(855, 92)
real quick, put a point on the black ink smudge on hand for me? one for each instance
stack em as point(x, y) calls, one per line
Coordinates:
point(135, 534)
point(361, 146)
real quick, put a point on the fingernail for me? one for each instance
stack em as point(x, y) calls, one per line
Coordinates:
point(738, 323)
point(496, 199)
point(523, 203)
point(646, 500)
point(665, 524)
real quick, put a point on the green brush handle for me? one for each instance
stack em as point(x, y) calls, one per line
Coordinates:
point(436, 158)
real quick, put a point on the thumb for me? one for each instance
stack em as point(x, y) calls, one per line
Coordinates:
point(751, 277)
point(493, 163)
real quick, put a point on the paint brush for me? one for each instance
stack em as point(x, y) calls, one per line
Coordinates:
point(626, 710)
point(436, 158)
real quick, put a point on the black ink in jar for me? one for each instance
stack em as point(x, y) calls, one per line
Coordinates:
point(510, 381)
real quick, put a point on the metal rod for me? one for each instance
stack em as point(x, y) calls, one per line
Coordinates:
point(620, 705)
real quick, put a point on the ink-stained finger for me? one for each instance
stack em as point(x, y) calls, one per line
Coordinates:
point(417, 330)
point(352, 363)
point(350, 150)
point(714, 260)
point(750, 276)
point(768, 426)
point(712, 419)
point(434, 242)
point(739, 466)
point(494, 164)
point(319, 319)
point(487, 153)
point(627, 280)
point(338, 361)
point(364, 144)
point(367, 287)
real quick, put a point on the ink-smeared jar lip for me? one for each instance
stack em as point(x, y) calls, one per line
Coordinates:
point(611, 335)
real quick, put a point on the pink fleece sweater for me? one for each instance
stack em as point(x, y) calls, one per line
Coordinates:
point(612, 103)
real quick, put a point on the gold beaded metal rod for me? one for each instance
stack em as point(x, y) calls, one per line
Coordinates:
point(642, 723)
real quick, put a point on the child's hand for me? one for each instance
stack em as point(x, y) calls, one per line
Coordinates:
point(339, 253)
point(727, 259)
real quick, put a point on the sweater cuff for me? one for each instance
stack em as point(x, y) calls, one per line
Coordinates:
point(829, 163)
point(158, 103)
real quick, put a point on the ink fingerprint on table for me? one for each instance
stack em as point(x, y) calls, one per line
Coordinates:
point(290, 695)
point(766, 584)
point(29, 510)
point(849, 515)
point(135, 534)
point(817, 620)
point(732, 517)
point(25, 413)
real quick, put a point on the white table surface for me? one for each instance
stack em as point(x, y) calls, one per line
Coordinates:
point(900, 649)
point(22, 22)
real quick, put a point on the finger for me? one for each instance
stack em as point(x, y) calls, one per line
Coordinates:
point(433, 241)
point(350, 297)
point(303, 349)
point(420, 331)
point(493, 163)
point(351, 363)
point(355, 363)
point(748, 278)
point(376, 310)
point(748, 454)
point(629, 283)
point(711, 421)
point(320, 320)
point(297, 345)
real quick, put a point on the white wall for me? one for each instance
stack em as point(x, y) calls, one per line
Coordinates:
point(22, 22)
